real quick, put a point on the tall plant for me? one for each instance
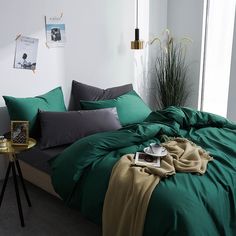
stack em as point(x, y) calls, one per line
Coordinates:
point(171, 73)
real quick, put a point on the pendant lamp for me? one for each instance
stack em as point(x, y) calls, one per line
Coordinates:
point(137, 44)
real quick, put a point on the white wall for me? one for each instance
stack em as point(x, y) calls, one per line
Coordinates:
point(27, 17)
point(97, 50)
point(153, 23)
point(98, 42)
point(185, 18)
point(231, 112)
point(182, 18)
point(157, 24)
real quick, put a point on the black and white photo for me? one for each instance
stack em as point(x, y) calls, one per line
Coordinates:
point(26, 53)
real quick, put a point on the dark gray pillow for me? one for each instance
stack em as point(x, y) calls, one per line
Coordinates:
point(86, 92)
point(59, 128)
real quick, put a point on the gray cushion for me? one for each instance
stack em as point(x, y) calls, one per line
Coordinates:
point(86, 92)
point(59, 128)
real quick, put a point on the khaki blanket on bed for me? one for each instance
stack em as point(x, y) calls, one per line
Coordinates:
point(130, 186)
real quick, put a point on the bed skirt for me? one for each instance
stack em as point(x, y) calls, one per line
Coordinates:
point(38, 178)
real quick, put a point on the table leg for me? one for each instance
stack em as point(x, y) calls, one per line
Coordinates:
point(22, 182)
point(5, 182)
point(17, 195)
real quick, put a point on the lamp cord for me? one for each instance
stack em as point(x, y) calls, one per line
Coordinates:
point(136, 14)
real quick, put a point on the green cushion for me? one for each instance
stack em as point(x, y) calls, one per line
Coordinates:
point(27, 108)
point(130, 107)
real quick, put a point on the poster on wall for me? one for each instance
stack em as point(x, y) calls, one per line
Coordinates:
point(26, 53)
point(55, 31)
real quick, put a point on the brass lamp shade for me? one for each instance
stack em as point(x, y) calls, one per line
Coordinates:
point(137, 44)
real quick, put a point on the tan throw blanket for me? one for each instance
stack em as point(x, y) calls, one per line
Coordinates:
point(130, 186)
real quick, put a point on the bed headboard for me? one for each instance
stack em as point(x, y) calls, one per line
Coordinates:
point(4, 120)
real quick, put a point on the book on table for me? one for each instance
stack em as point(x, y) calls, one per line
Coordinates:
point(143, 159)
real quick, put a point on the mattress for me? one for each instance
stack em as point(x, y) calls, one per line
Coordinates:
point(39, 158)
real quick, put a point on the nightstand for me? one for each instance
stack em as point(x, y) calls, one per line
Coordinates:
point(11, 152)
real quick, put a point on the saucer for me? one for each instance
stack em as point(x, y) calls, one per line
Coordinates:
point(161, 152)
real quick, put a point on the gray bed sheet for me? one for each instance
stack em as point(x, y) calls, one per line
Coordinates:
point(39, 158)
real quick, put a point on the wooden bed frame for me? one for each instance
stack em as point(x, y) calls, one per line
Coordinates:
point(38, 178)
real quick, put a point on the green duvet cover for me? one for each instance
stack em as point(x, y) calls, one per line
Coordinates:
point(183, 204)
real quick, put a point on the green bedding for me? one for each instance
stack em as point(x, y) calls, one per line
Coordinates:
point(184, 204)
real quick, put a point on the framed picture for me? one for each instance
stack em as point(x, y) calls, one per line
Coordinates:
point(19, 132)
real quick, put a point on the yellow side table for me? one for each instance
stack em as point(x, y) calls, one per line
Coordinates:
point(11, 152)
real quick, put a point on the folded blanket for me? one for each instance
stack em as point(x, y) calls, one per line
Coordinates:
point(130, 187)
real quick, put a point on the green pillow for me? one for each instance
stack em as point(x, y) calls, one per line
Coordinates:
point(130, 107)
point(27, 108)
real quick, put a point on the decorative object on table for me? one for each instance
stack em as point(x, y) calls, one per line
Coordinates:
point(171, 72)
point(19, 132)
point(11, 152)
point(55, 31)
point(137, 43)
point(3, 143)
point(26, 53)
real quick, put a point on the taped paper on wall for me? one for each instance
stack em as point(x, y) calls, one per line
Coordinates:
point(26, 53)
point(55, 31)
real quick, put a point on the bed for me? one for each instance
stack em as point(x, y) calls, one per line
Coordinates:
point(183, 204)
point(36, 169)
